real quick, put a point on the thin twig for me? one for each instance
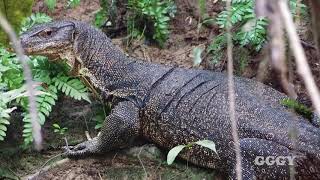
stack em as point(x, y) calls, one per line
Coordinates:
point(144, 169)
point(300, 57)
point(66, 141)
point(44, 164)
point(46, 168)
point(36, 128)
point(87, 135)
point(231, 94)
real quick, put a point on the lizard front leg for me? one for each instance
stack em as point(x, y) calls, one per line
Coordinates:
point(119, 129)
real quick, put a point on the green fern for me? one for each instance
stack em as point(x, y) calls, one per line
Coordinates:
point(53, 78)
point(150, 17)
point(5, 110)
point(71, 87)
point(34, 19)
point(241, 10)
point(45, 102)
point(248, 30)
point(217, 46)
point(254, 35)
point(51, 4)
point(4, 119)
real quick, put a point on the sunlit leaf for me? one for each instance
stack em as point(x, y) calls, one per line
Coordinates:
point(173, 153)
point(197, 56)
point(208, 144)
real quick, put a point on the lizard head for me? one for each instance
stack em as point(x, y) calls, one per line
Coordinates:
point(49, 39)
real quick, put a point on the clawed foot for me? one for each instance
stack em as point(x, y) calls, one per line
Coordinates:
point(86, 148)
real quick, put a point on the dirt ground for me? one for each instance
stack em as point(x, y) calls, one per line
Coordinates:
point(184, 37)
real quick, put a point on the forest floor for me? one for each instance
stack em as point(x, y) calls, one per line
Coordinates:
point(143, 162)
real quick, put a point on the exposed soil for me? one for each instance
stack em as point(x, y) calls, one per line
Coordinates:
point(185, 36)
point(124, 165)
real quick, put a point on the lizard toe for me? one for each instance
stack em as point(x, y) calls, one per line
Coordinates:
point(81, 150)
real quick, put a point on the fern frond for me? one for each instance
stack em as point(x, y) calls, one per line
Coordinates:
point(4, 120)
point(71, 87)
point(238, 13)
point(216, 48)
point(45, 102)
point(254, 35)
point(36, 18)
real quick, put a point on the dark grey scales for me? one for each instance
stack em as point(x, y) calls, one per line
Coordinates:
point(170, 106)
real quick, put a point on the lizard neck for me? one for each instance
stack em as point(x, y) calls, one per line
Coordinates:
point(112, 71)
point(109, 69)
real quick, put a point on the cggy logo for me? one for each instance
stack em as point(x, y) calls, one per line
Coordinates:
point(274, 160)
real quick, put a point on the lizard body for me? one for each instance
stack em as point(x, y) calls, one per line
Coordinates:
point(171, 106)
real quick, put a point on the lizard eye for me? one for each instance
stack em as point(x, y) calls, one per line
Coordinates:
point(46, 33)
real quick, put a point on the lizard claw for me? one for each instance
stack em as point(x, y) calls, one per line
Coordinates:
point(81, 150)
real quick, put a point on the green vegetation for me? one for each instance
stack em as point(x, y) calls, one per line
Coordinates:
point(99, 18)
point(73, 3)
point(15, 11)
point(297, 107)
point(248, 30)
point(173, 153)
point(36, 18)
point(58, 129)
point(51, 4)
point(53, 80)
point(150, 18)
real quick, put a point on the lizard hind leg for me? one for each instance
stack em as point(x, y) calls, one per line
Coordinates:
point(263, 159)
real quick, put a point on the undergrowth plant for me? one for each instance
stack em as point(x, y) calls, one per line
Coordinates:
point(58, 129)
point(150, 18)
point(173, 153)
point(297, 107)
point(248, 30)
point(51, 4)
point(53, 80)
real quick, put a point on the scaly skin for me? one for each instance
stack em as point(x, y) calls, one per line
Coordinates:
point(171, 106)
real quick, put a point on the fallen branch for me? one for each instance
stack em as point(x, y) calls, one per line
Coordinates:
point(36, 128)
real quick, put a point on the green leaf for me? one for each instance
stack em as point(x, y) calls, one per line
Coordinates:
point(2, 127)
point(197, 56)
point(51, 4)
point(4, 121)
point(2, 133)
point(173, 153)
point(26, 119)
point(208, 144)
point(27, 125)
point(73, 3)
point(50, 100)
point(98, 126)
point(44, 111)
point(55, 125)
point(27, 130)
point(27, 134)
point(41, 118)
